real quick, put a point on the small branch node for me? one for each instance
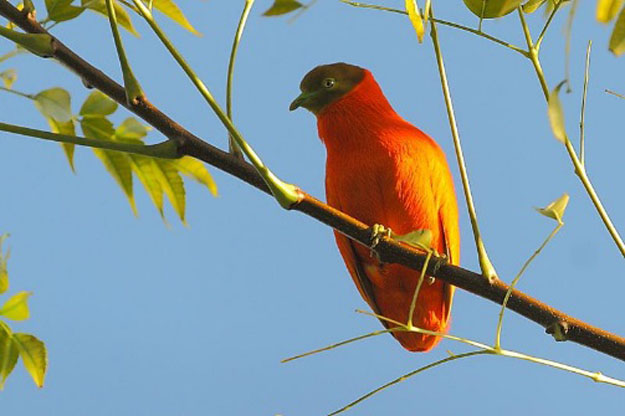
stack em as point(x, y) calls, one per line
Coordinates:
point(559, 330)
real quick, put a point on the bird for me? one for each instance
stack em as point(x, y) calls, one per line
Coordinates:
point(380, 169)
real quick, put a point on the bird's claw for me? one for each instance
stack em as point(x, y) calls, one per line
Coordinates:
point(378, 231)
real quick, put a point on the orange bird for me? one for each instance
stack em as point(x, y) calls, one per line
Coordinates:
point(381, 169)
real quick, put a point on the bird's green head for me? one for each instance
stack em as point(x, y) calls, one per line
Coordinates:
point(326, 84)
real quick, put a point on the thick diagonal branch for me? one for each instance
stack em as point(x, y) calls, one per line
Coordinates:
point(555, 322)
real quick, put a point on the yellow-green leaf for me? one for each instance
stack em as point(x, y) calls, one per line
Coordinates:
point(54, 103)
point(8, 77)
point(34, 356)
point(607, 9)
point(131, 129)
point(8, 353)
point(556, 115)
point(196, 170)
point(491, 9)
point(416, 238)
point(62, 10)
point(280, 7)
point(123, 18)
point(617, 39)
point(172, 184)
point(532, 5)
point(556, 208)
point(4, 273)
point(68, 129)
point(117, 163)
point(144, 168)
point(16, 308)
point(98, 104)
point(415, 17)
point(171, 10)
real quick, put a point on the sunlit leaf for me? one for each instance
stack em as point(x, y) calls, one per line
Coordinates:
point(556, 208)
point(417, 238)
point(490, 9)
point(556, 114)
point(145, 170)
point(172, 184)
point(8, 77)
point(280, 7)
point(171, 10)
point(54, 103)
point(617, 39)
point(4, 273)
point(415, 17)
point(8, 353)
point(607, 9)
point(131, 129)
point(62, 10)
point(532, 5)
point(117, 163)
point(34, 356)
point(98, 104)
point(123, 19)
point(68, 129)
point(16, 308)
point(196, 170)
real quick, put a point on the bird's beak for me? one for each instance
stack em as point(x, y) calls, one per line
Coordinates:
point(300, 101)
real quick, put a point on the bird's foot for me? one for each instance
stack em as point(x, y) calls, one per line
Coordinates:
point(378, 231)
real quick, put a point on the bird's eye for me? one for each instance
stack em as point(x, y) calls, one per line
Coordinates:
point(328, 82)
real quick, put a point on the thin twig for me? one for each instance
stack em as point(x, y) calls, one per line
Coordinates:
point(485, 264)
point(556, 7)
point(583, 110)
point(616, 94)
point(234, 148)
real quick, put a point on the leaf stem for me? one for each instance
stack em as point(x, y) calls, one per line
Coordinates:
point(485, 264)
point(583, 108)
point(516, 280)
point(616, 94)
point(286, 194)
point(547, 23)
point(131, 85)
point(234, 148)
point(164, 150)
point(413, 303)
point(21, 94)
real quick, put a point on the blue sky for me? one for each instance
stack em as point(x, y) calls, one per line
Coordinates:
point(142, 318)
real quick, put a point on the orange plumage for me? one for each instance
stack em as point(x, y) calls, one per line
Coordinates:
point(381, 169)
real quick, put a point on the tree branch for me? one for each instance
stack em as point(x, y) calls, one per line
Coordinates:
point(390, 251)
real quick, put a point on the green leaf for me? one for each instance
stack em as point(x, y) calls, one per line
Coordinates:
point(280, 7)
point(4, 273)
point(123, 19)
point(607, 9)
point(172, 184)
point(145, 169)
point(171, 10)
point(556, 115)
point(196, 170)
point(617, 39)
point(68, 129)
point(556, 208)
point(117, 163)
point(98, 104)
point(131, 129)
point(415, 17)
point(532, 5)
point(8, 77)
point(54, 103)
point(8, 353)
point(62, 10)
point(16, 308)
point(491, 9)
point(34, 356)
point(418, 238)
